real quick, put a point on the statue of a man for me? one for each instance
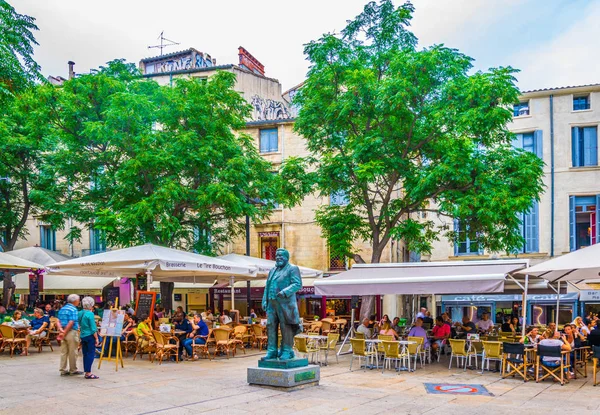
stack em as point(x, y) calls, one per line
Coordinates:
point(279, 301)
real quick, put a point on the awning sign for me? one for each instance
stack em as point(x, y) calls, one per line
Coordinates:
point(589, 295)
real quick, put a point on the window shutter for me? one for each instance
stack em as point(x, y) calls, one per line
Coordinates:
point(274, 141)
point(532, 229)
point(539, 142)
point(590, 146)
point(575, 146)
point(264, 141)
point(597, 216)
point(521, 217)
point(456, 230)
point(572, 223)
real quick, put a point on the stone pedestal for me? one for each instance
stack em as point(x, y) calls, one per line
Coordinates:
point(284, 374)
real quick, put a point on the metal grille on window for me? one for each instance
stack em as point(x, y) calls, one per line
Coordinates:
point(337, 262)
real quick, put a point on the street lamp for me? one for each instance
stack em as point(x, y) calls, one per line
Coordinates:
point(255, 202)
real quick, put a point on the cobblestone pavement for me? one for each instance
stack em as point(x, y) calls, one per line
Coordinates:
point(32, 385)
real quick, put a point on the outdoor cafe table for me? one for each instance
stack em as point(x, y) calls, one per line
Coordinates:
point(404, 343)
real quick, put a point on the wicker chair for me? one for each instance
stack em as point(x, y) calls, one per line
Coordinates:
point(42, 341)
point(201, 348)
point(238, 337)
point(260, 339)
point(164, 348)
point(10, 340)
point(222, 342)
point(130, 342)
point(143, 345)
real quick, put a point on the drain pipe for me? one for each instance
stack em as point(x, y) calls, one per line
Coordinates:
point(551, 176)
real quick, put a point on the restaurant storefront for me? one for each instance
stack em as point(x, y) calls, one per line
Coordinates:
point(541, 307)
point(589, 301)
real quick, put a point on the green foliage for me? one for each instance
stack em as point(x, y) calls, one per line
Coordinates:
point(18, 69)
point(404, 131)
point(145, 163)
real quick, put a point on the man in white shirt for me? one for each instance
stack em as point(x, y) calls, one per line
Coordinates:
point(486, 325)
point(421, 314)
point(364, 329)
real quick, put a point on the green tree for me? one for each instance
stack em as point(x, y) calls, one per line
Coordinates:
point(145, 163)
point(403, 130)
point(18, 69)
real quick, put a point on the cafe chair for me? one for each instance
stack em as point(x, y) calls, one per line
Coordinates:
point(556, 370)
point(199, 347)
point(42, 341)
point(223, 343)
point(164, 349)
point(459, 351)
point(53, 331)
point(332, 340)
point(303, 346)
point(360, 336)
point(130, 342)
point(514, 359)
point(424, 353)
point(325, 327)
point(260, 339)
point(9, 339)
point(143, 345)
point(383, 338)
point(492, 350)
point(595, 362)
point(391, 352)
point(340, 325)
point(359, 350)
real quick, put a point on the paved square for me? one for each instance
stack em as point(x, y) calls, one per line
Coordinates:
point(32, 385)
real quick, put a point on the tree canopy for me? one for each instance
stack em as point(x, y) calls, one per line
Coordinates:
point(147, 163)
point(403, 130)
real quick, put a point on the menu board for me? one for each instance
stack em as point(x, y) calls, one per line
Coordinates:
point(112, 323)
point(144, 305)
point(112, 294)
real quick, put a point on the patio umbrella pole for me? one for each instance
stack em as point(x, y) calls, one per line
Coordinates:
point(525, 305)
point(232, 282)
point(557, 302)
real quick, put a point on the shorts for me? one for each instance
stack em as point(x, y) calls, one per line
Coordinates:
point(37, 336)
point(440, 343)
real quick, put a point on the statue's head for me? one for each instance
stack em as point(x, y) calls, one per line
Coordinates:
point(282, 257)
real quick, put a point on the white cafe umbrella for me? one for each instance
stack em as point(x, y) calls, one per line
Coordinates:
point(12, 262)
point(577, 266)
point(159, 263)
point(265, 265)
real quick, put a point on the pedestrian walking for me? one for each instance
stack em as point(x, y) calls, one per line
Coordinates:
point(89, 336)
point(68, 337)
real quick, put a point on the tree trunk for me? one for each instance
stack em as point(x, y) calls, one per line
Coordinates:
point(367, 306)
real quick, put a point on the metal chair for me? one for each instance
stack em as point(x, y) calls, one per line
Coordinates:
point(305, 347)
point(460, 352)
point(391, 351)
point(492, 350)
point(595, 362)
point(359, 350)
point(332, 340)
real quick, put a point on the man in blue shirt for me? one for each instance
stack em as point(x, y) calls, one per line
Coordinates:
point(185, 326)
point(199, 329)
point(68, 318)
point(39, 326)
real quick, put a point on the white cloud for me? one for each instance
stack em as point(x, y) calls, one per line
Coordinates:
point(570, 58)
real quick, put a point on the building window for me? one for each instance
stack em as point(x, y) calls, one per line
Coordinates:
point(584, 146)
point(520, 109)
point(529, 229)
point(581, 102)
point(532, 142)
point(269, 140)
point(465, 243)
point(336, 262)
point(97, 241)
point(47, 237)
point(268, 247)
point(583, 221)
point(339, 198)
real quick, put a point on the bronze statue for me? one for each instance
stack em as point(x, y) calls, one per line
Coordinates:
point(279, 301)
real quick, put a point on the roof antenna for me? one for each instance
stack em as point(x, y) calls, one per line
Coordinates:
point(163, 44)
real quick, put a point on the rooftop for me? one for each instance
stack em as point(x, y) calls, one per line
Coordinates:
point(561, 88)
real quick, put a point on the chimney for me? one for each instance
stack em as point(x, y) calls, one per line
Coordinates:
point(71, 69)
point(249, 62)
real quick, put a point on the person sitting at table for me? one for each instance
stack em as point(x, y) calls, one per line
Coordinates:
point(225, 318)
point(419, 331)
point(49, 311)
point(440, 333)
point(549, 332)
point(387, 330)
point(385, 319)
point(144, 331)
point(208, 315)
point(252, 313)
point(485, 325)
point(427, 319)
point(466, 327)
point(39, 326)
point(18, 321)
point(533, 337)
point(581, 326)
point(199, 333)
point(556, 340)
point(178, 316)
point(395, 325)
point(186, 327)
point(364, 329)
point(128, 324)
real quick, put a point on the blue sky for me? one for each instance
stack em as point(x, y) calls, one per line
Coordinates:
point(553, 42)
